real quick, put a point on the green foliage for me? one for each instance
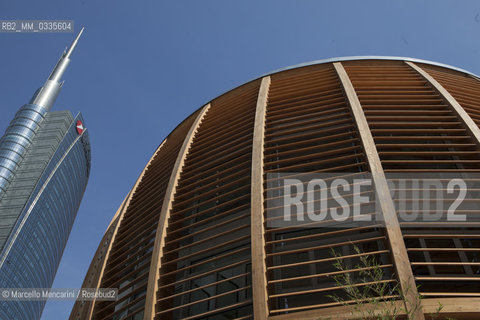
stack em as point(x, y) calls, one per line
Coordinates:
point(370, 294)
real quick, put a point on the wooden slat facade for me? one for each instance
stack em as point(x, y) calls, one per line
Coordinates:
point(202, 234)
point(129, 258)
point(316, 133)
point(420, 148)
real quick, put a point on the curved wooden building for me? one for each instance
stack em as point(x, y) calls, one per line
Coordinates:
point(191, 239)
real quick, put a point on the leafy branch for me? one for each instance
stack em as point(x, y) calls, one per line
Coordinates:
point(369, 293)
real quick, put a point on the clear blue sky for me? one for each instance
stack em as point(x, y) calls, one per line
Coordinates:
point(143, 66)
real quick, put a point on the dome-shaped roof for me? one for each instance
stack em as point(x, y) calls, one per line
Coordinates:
point(205, 233)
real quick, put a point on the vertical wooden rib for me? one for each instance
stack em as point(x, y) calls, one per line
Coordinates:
point(464, 88)
point(419, 135)
point(84, 309)
point(467, 120)
point(309, 130)
point(205, 269)
point(118, 215)
point(164, 215)
point(399, 251)
point(128, 262)
point(259, 269)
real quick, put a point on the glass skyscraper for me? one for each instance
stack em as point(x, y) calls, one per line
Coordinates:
point(44, 170)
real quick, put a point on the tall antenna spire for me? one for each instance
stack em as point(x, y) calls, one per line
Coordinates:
point(46, 95)
point(74, 44)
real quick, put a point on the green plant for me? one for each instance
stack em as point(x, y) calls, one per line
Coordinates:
point(370, 294)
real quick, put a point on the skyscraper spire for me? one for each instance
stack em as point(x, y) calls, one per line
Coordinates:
point(44, 170)
point(46, 95)
point(19, 135)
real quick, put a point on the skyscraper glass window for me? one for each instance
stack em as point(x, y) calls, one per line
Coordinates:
point(44, 170)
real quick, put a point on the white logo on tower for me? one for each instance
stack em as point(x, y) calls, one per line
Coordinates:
point(80, 127)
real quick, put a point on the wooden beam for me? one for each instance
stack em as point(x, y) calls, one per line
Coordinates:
point(395, 238)
point(259, 268)
point(97, 266)
point(458, 308)
point(118, 215)
point(469, 124)
point(154, 273)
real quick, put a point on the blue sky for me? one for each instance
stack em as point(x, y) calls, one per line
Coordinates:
point(141, 67)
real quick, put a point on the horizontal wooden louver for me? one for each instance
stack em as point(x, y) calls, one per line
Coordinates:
point(413, 127)
point(206, 266)
point(418, 134)
point(310, 130)
point(464, 88)
point(128, 261)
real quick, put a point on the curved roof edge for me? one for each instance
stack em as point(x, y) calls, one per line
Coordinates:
point(350, 58)
point(329, 60)
point(340, 59)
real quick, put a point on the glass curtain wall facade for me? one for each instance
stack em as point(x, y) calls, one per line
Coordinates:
point(44, 170)
point(34, 247)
